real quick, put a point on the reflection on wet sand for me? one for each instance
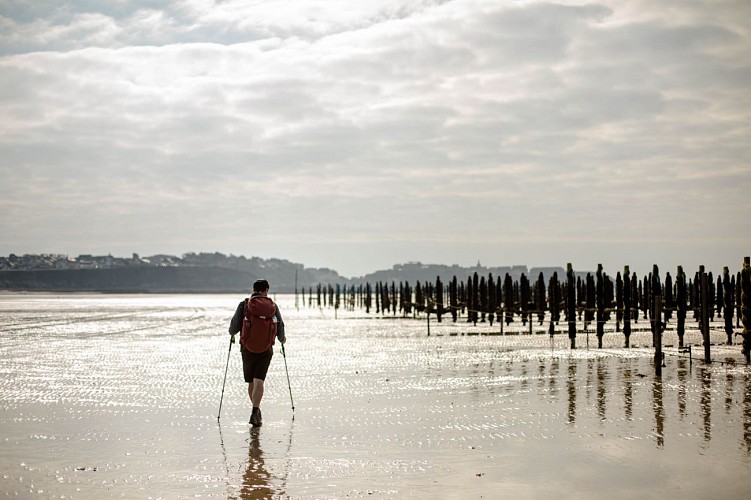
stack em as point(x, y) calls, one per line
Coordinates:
point(628, 395)
point(257, 479)
point(598, 383)
point(590, 364)
point(554, 376)
point(729, 388)
point(659, 411)
point(683, 373)
point(705, 402)
point(747, 413)
point(571, 386)
point(601, 403)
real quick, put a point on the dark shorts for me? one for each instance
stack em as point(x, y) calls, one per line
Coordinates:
point(256, 365)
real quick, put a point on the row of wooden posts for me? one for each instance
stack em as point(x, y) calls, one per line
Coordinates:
point(592, 300)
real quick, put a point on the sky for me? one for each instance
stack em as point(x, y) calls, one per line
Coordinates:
point(359, 135)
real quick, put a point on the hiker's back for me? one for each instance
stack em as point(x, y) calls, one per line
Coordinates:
point(259, 324)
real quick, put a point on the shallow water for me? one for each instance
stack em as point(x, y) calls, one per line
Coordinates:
point(117, 397)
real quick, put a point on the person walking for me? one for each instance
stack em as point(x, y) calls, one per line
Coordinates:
point(260, 323)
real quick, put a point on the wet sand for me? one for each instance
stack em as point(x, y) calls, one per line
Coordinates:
point(117, 397)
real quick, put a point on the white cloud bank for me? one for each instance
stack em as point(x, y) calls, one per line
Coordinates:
point(355, 135)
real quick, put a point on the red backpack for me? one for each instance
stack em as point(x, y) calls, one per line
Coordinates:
point(259, 324)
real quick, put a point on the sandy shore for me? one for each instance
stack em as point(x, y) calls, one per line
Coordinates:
point(117, 397)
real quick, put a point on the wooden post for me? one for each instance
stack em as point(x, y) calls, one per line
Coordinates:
point(571, 304)
point(627, 299)
point(297, 304)
point(658, 335)
point(600, 305)
point(745, 311)
point(428, 315)
point(530, 323)
point(705, 314)
point(681, 304)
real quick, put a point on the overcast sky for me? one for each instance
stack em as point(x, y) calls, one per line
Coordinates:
point(356, 135)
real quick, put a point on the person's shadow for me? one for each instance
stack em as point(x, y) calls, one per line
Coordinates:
point(257, 479)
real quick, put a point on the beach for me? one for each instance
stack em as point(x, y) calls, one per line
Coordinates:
point(117, 396)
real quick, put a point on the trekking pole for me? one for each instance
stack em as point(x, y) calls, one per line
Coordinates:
point(231, 341)
point(284, 354)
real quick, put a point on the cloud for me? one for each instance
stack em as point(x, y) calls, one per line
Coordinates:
point(374, 121)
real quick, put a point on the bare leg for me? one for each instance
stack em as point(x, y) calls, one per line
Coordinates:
point(255, 391)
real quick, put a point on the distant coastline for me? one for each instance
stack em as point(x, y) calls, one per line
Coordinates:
point(128, 280)
point(210, 273)
point(191, 273)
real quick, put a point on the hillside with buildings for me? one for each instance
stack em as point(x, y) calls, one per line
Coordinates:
point(202, 272)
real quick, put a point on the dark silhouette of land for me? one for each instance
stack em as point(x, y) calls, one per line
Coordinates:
point(207, 273)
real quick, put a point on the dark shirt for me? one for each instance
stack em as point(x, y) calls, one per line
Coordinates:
point(236, 324)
